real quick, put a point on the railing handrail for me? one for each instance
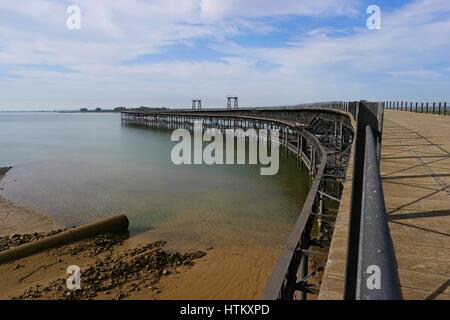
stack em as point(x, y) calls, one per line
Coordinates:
point(371, 272)
point(286, 259)
point(377, 277)
point(332, 106)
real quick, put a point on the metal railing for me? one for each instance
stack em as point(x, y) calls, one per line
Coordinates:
point(439, 108)
point(377, 272)
point(333, 105)
point(371, 270)
point(283, 281)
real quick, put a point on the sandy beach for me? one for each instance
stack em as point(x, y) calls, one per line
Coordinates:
point(197, 273)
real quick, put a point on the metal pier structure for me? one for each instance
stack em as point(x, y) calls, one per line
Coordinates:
point(345, 211)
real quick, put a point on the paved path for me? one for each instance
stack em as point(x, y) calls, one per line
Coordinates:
point(415, 168)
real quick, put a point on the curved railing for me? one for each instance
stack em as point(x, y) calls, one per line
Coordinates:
point(371, 269)
point(283, 280)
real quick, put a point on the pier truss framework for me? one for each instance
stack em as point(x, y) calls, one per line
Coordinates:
point(321, 136)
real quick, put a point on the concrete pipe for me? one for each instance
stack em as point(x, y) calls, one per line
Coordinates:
point(116, 224)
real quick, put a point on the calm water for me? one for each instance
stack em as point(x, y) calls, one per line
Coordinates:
point(81, 167)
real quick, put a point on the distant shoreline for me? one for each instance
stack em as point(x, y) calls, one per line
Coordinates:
point(60, 111)
point(80, 111)
point(36, 111)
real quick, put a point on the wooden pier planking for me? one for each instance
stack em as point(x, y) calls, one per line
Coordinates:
point(415, 168)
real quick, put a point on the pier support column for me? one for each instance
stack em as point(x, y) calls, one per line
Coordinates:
point(304, 274)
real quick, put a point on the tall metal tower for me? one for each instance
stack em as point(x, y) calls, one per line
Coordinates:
point(230, 101)
point(196, 104)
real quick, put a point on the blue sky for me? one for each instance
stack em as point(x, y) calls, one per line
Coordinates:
point(268, 52)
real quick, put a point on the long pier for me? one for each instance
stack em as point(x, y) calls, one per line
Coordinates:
point(403, 235)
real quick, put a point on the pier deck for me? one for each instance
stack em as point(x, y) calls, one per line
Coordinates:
point(415, 168)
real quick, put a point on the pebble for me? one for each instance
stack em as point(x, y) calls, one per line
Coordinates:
point(132, 268)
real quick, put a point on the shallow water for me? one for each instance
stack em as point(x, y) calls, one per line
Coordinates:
point(81, 167)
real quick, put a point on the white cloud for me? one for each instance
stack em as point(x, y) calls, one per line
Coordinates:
point(316, 67)
point(219, 9)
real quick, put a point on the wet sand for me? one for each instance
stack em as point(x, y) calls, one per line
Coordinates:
point(18, 220)
point(222, 274)
point(15, 219)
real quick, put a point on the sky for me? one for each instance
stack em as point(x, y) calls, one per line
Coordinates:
point(164, 53)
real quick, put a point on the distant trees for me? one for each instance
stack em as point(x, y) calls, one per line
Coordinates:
point(119, 109)
point(87, 110)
